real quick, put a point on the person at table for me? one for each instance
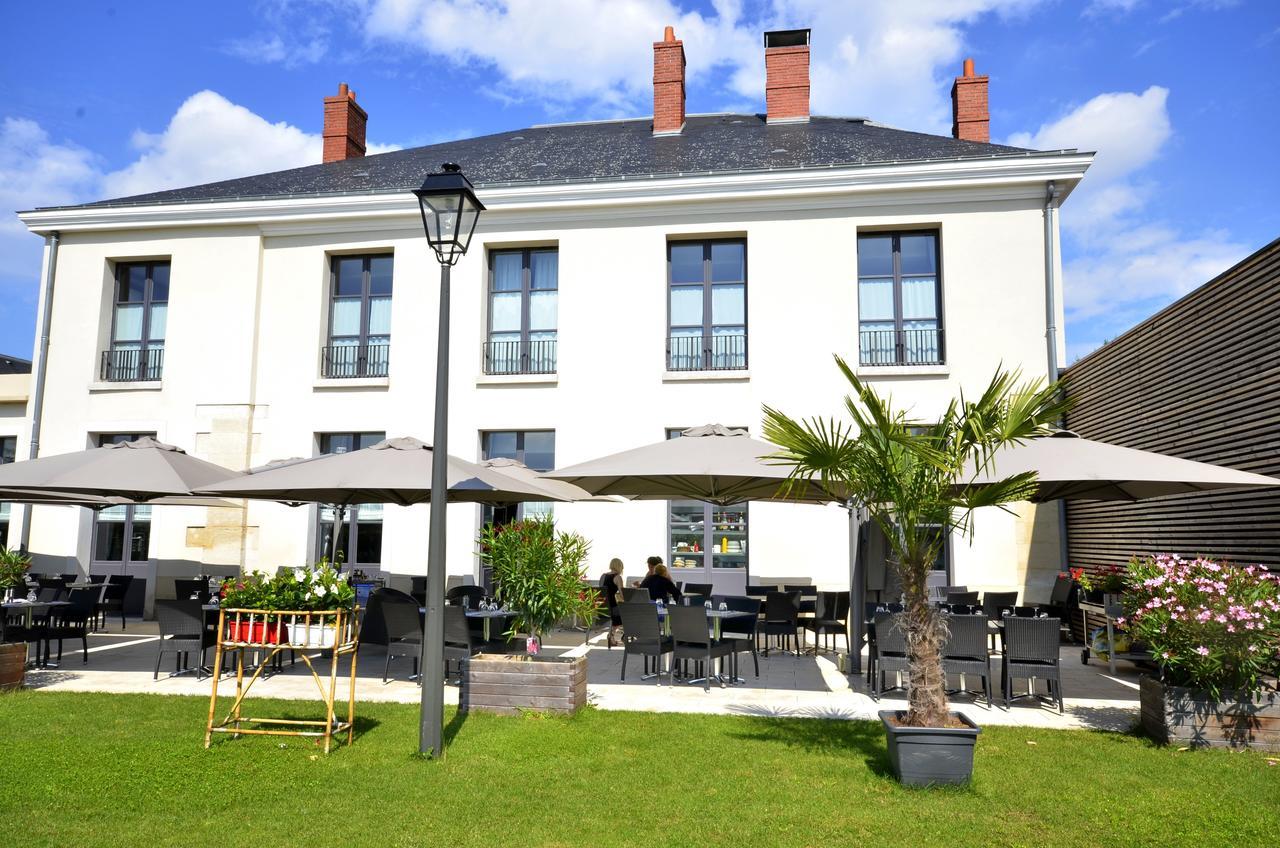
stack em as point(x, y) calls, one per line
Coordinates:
point(659, 584)
point(610, 588)
point(652, 563)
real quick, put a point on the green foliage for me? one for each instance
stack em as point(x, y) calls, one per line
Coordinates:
point(917, 481)
point(14, 566)
point(1210, 625)
point(538, 571)
point(318, 587)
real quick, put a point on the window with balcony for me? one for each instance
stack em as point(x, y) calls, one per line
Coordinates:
point(523, 311)
point(707, 305)
point(138, 322)
point(8, 452)
point(899, 300)
point(359, 317)
point(122, 534)
point(360, 534)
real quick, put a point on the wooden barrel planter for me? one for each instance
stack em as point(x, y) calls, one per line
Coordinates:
point(13, 665)
point(1173, 715)
point(498, 683)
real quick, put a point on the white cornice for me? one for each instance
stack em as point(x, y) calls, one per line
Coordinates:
point(995, 177)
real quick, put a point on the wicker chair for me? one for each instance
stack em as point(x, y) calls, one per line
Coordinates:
point(969, 598)
point(473, 594)
point(642, 634)
point(740, 630)
point(182, 631)
point(191, 589)
point(693, 641)
point(995, 606)
point(460, 641)
point(781, 619)
point(696, 589)
point(891, 652)
point(113, 597)
point(635, 595)
point(1031, 651)
point(965, 650)
point(393, 621)
point(831, 617)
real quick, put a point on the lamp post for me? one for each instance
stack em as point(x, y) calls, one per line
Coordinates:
point(450, 211)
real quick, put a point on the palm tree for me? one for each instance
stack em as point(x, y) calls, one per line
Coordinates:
point(915, 480)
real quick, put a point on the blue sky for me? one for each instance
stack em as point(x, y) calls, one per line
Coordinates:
point(1181, 99)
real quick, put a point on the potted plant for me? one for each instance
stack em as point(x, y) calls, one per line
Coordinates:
point(290, 594)
point(915, 479)
point(1214, 631)
point(253, 591)
point(13, 655)
point(538, 574)
point(1104, 585)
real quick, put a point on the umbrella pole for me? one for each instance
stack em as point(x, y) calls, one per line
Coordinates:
point(857, 595)
point(339, 519)
point(431, 731)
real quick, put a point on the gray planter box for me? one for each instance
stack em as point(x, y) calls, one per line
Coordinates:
point(510, 684)
point(1173, 715)
point(922, 756)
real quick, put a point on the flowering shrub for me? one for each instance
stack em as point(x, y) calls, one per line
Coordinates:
point(538, 571)
point(318, 587)
point(1209, 625)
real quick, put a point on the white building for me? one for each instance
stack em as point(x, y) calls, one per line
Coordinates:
point(629, 278)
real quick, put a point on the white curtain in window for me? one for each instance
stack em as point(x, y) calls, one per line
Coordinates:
point(346, 318)
point(128, 322)
point(919, 298)
point(544, 266)
point(728, 304)
point(369, 512)
point(4, 512)
point(379, 316)
point(686, 306)
point(507, 271)
point(113, 513)
point(159, 320)
point(875, 300)
point(543, 310)
point(505, 315)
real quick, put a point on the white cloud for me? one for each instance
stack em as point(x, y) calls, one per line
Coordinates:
point(264, 49)
point(34, 168)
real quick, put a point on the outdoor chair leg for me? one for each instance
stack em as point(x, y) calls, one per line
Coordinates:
point(386, 666)
point(755, 658)
point(84, 646)
point(625, 654)
point(159, 657)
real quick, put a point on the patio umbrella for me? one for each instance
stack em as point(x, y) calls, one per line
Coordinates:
point(141, 471)
point(53, 498)
point(559, 489)
point(1071, 468)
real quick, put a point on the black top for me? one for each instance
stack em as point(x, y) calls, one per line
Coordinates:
point(660, 587)
point(609, 587)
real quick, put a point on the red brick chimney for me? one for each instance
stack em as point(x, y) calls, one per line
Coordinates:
point(344, 124)
point(786, 69)
point(970, 117)
point(668, 84)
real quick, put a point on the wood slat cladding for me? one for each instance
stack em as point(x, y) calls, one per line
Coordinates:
point(1199, 380)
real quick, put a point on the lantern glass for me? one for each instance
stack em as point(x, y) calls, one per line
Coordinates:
point(450, 211)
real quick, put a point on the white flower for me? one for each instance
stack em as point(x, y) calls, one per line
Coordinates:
point(300, 574)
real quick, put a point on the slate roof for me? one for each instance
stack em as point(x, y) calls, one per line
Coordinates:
point(14, 365)
point(605, 150)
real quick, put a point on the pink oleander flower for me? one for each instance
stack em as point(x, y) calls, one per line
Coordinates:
point(1202, 651)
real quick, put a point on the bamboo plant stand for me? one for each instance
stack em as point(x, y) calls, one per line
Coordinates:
point(270, 632)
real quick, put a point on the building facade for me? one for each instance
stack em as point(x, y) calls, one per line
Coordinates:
point(629, 279)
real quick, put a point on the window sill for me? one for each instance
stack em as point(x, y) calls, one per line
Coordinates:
point(517, 380)
point(741, 376)
point(339, 383)
point(139, 386)
point(883, 371)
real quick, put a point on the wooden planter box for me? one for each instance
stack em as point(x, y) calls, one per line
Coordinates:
point(13, 665)
point(1173, 715)
point(498, 683)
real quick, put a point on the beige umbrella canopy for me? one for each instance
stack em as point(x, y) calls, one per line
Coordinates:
point(1071, 468)
point(141, 471)
point(557, 489)
point(394, 471)
point(712, 463)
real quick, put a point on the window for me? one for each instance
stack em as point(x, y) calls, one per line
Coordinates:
point(523, 305)
point(899, 299)
point(138, 323)
point(360, 538)
point(359, 317)
point(704, 536)
point(707, 305)
point(8, 452)
point(536, 449)
point(122, 534)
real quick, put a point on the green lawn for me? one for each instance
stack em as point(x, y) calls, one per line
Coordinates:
point(88, 769)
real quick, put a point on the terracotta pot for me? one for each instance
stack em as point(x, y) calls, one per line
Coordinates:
point(258, 632)
point(13, 665)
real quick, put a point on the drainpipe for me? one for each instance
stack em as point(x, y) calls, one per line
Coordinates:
point(1051, 331)
point(51, 242)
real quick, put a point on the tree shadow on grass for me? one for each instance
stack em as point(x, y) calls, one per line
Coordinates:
point(823, 734)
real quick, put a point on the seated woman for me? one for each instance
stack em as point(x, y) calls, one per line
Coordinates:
point(610, 587)
point(659, 583)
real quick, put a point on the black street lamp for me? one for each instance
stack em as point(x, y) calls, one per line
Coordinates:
point(450, 211)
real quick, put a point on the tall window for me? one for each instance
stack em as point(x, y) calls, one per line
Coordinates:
point(8, 451)
point(536, 449)
point(360, 537)
point(122, 534)
point(359, 317)
point(899, 299)
point(138, 323)
point(704, 536)
point(523, 300)
point(708, 305)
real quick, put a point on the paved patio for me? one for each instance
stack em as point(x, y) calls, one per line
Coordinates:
point(805, 687)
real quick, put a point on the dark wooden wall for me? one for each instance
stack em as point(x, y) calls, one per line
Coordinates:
point(1199, 380)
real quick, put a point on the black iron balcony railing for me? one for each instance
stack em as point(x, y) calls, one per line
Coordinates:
point(344, 362)
point(706, 353)
point(536, 356)
point(901, 347)
point(132, 365)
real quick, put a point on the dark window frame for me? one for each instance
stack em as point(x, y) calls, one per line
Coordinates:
point(349, 534)
point(900, 358)
point(709, 533)
point(129, 525)
point(8, 453)
point(338, 366)
point(149, 363)
point(514, 512)
point(708, 326)
point(528, 363)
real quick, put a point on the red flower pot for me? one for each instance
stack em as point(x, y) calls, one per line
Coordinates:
point(258, 632)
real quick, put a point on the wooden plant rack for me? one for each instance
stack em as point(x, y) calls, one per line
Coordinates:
point(269, 632)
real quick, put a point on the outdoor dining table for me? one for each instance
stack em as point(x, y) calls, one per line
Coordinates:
point(487, 616)
point(716, 617)
point(28, 608)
